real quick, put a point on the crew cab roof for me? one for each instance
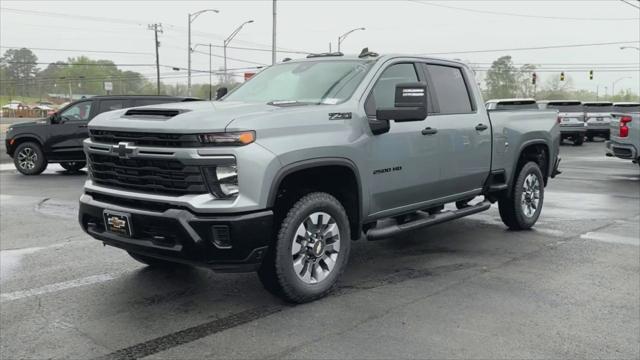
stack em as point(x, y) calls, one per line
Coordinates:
point(513, 101)
point(560, 102)
point(597, 103)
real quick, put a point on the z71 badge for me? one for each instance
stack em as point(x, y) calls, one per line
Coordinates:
point(340, 116)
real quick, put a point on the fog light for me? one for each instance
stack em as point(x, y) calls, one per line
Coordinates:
point(222, 181)
point(221, 236)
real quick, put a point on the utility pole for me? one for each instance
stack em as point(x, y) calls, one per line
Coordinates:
point(157, 28)
point(273, 39)
point(210, 87)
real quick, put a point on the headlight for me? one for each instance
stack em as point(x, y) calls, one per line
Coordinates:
point(222, 180)
point(228, 138)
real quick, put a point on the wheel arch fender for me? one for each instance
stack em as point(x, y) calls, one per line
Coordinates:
point(309, 164)
point(19, 139)
point(521, 149)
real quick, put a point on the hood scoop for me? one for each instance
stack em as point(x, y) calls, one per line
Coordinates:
point(161, 114)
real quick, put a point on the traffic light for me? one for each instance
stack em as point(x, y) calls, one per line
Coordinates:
point(562, 76)
point(590, 74)
point(534, 77)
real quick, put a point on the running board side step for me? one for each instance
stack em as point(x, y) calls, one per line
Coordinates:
point(423, 220)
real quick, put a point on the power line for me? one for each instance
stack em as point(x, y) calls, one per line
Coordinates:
point(533, 48)
point(630, 4)
point(78, 50)
point(521, 15)
point(75, 17)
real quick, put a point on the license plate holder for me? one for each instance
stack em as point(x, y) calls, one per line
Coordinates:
point(117, 222)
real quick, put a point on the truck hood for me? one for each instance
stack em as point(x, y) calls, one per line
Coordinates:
point(189, 118)
point(28, 124)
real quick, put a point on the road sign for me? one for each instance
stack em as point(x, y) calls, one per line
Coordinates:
point(108, 86)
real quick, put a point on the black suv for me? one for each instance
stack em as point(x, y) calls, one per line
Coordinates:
point(58, 138)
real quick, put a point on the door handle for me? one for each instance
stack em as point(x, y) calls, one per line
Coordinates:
point(481, 127)
point(82, 126)
point(429, 131)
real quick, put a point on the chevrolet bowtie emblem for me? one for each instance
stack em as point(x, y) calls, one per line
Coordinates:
point(123, 149)
point(116, 223)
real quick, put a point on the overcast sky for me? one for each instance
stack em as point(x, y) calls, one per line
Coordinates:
point(413, 27)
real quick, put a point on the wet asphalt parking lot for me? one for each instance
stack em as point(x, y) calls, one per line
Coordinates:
point(570, 288)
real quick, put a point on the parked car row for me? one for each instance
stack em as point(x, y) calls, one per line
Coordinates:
point(58, 138)
point(578, 120)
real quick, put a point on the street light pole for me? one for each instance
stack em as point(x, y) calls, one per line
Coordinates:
point(344, 36)
point(192, 18)
point(210, 68)
point(273, 35)
point(226, 42)
point(613, 85)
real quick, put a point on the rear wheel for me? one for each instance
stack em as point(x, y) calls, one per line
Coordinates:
point(153, 262)
point(590, 137)
point(578, 140)
point(311, 250)
point(73, 166)
point(521, 208)
point(29, 159)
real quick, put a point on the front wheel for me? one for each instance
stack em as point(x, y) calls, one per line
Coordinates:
point(521, 208)
point(29, 158)
point(73, 166)
point(311, 250)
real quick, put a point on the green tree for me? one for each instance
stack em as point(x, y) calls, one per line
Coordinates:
point(502, 79)
point(21, 69)
point(526, 87)
point(554, 89)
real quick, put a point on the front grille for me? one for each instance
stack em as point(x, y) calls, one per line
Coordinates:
point(161, 176)
point(145, 138)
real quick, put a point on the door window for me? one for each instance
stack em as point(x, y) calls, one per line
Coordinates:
point(112, 104)
point(451, 90)
point(78, 112)
point(383, 94)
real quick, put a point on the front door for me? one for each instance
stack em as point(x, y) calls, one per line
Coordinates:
point(403, 163)
point(69, 131)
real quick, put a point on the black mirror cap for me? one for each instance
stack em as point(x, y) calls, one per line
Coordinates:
point(221, 92)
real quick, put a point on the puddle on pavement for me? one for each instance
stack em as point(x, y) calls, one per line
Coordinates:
point(10, 260)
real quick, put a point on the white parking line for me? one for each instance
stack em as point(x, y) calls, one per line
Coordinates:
point(610, 238)
point(65, 285)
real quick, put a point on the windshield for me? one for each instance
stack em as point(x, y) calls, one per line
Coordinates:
point(598, 108)
point(565, 107)
point(315, 82)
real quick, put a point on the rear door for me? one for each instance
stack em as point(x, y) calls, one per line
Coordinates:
point(464, 129)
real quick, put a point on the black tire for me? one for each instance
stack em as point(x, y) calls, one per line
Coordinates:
point(154, 262)
point(29, 159)
point(511, 209)
point(590, 138)
point(277, 272)
point(578, 140)
point(73, 166)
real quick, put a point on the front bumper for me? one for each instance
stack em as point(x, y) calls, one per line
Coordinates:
point(227, 243)
point(622, 151)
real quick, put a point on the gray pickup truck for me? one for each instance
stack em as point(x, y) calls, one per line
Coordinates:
point(281, 174)
point(625, 132)
point(570, 118)
point(597, 115)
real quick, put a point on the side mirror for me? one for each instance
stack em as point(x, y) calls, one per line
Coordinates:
point(53, 118)
point(220, 92)
point(410, 104)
